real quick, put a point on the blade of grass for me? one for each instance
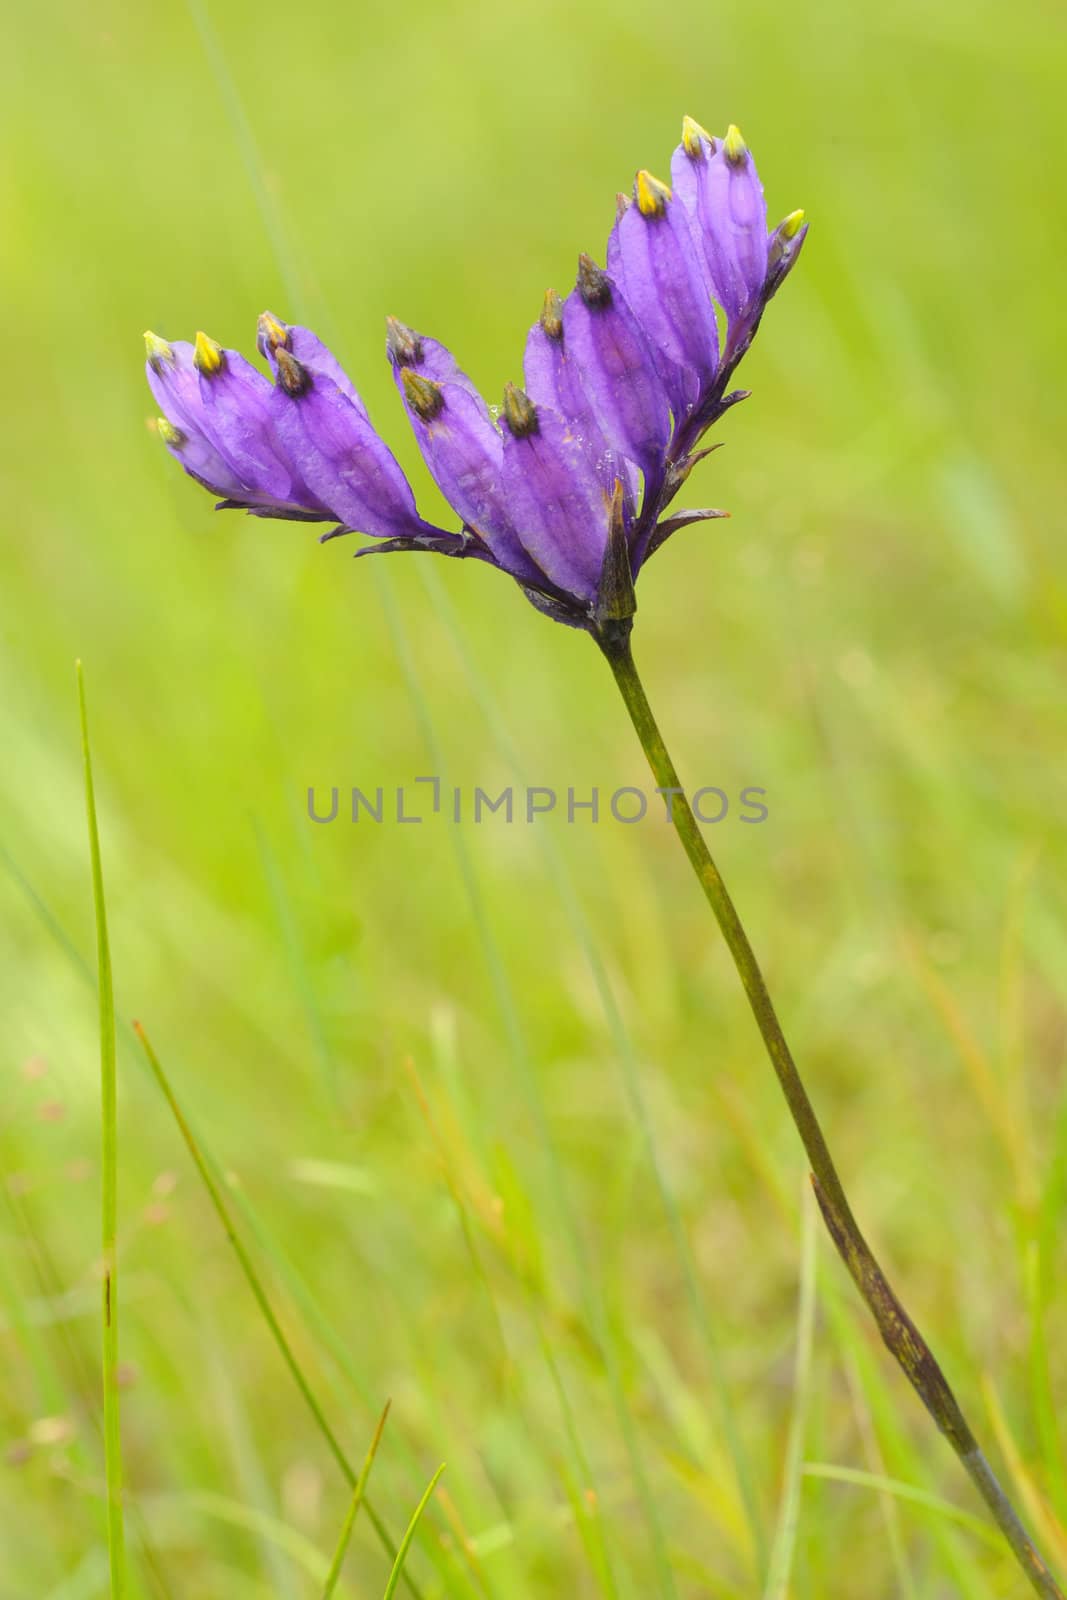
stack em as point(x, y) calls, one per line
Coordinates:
point(116, 1536)
point(354, 1504)
point(293, 1282)
point(85, 1581)
point(885, 1436)
point(234, 1441)
point(908, 1491)
point(1037, 1507)
point(179, 1513)
point(333, 1342)
point(409, 1534)
point(1045, 1408)
point(297, 962)
point(269, 209)
point(589, 1523)
point(785, 1533)
point(888, 1508)
point(259, 1294)
point(904, 1457)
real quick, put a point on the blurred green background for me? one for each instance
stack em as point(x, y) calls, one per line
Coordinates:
point(494, 1117)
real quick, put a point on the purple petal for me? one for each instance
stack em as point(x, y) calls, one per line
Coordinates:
point(344, 462)
point(718, 183)
point(423, 355)
point(618, 369)
point(560, 500)
point(237, 417)
point(309, 350)
point(553, 380)
point(655, 257)
point(227, 438)
point(173, 382)
point(463, 449)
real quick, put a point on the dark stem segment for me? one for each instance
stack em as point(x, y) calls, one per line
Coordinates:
point(898, 1331)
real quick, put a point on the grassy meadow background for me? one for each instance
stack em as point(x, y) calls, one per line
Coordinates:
point(490, 1109)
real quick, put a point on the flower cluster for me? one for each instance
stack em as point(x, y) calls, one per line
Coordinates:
point(568, 487)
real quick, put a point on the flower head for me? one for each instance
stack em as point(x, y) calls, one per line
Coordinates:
point(566, 487)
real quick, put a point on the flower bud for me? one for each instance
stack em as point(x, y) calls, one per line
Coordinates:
point(520, 413)
point(651, 195)
point(402, 343)
point(169, 433)
point(157, 350)
point(293, 376)
point(552, 315)
point(594, 285)
point(272, 335)
point(696, 141)
point(734, 147)
point(422, 395)
point(207, 356)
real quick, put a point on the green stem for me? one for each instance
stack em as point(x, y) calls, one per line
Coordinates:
point(358, 1492)
point(116, 1536)
point(266, 1310)
point(898, 1331)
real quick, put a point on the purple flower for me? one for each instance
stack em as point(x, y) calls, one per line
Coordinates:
point(568, 487)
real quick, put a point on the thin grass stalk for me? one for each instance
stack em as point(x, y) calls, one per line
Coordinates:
point(259, 1294)
point(409, 1534)
point(116, 1535)
point(783, 1549)
point(334, 1575)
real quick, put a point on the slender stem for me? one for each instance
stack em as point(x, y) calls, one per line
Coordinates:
point(898, 1331)
point(333, 1578)
point(116, 1536)
point(409, 1535)
point(254, 1282)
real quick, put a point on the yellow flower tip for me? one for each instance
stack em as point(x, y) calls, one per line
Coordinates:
point(157, 349)
point(792, 224)
point(207, 356)
point(693, 138)
point(423, 395)
point(734, 145)
point(273, 332)
point(169, 433)
point(552, 315)
point(651, 195)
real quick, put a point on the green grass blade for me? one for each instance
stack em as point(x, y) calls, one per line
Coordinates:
point(353, 1508)
point(259, 1294)
point(116, 1536)
point(904, 1457)
point(785, 1533)
point(181, 1510)
point(983, 1531)
point(267, 204)
point(409, 1534)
